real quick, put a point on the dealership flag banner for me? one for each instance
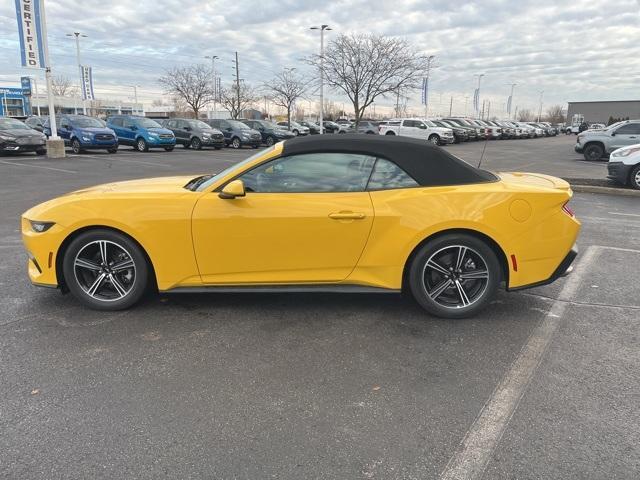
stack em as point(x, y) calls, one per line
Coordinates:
point(476, 98)
point(87, 82)
point(509, 105)
point(425, 90)
point(30, 31)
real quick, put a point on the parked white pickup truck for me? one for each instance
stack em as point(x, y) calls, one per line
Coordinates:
point(417, 128)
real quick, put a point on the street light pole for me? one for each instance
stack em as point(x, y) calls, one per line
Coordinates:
point(78, 35)
point(540, 109)
point(215, 83)
point(135, 98)
point(322, 28)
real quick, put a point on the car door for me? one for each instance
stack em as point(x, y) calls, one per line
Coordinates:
point(305, 219)
point(128, 130)
point(64, 129)
point(115, 124)
point(182, 131)
point(627, 134)
point(409, 128)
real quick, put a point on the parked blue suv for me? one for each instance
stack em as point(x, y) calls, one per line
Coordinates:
point(141, 133)
point(83, 133)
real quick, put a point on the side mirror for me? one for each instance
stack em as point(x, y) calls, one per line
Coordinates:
point(423, 127)
point(229, 129)
point(38, 128)
point(232, 190)
point(613, 134)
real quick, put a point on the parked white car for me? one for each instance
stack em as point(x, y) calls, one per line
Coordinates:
point(597, 126)
point(417, 128)
point(624, 166)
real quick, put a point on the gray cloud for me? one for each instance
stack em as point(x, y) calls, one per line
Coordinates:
point(584, 49)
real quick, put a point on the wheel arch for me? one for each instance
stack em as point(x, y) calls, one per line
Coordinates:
point(69, 238)
point(500, 255)
point(596, 142)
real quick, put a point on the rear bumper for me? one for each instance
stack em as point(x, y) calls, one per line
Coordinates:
point(564, 269)
point(619, 172)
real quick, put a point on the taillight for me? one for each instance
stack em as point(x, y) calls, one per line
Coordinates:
point(567, 210)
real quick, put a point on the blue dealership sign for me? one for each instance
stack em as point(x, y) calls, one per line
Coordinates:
point(30, 32)
point(26, 85)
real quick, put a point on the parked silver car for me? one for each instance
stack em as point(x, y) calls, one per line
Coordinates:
point(595, 144)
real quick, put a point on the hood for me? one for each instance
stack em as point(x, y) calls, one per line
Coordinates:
point(144, 185)
point(159, 130)
point(96, 130)
point(441, 129)
point(15, 132)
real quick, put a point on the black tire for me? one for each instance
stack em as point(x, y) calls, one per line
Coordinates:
point(76, 147)
point(634, 178)
point(434, 139)
point(169, 149)
point(295, 132)
point(113, 150)
point(593, 152)
point(270, 141)
point(446, 292)
point(41, 151)
point(141, 145)
point(119, 288)
point(218, 147)
point(390, 133)
point(196, 144)
point(236, 143)
point(186, 145)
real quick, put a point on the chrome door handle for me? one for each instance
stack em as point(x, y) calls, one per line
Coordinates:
point(346, 216)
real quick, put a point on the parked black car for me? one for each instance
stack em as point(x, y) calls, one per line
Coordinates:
point(35, 122)
point(195, 133)
point(330, 127)
point(15, 136)
point(459, 133)
point(471, 131)
point(271, 133)
point(236, 134)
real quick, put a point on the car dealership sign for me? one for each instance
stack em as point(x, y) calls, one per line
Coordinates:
point(87, 82)
point(30, 31)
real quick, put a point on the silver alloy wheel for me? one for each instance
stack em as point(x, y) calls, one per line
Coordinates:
point(75, 146)
point(142, 145)
point(636, 179)
point(434, 139)
point(455, 276)
point(105, 270)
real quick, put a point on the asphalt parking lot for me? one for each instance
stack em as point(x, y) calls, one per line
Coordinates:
point(543, 384)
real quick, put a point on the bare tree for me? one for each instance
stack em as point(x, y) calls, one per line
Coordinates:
point(525, 115)
point(236, 102)
point(367, 66)
point(191, 84)
point(555, 114)
point(61, 86)
point(285, 89)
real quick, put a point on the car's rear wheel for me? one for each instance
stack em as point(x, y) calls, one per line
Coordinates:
point(41, 151)
point(76, 147)
point(454, 276)
point(235, 143)
point(634, 177)
point(141, 145)
point(434, 139)
point(593, 152)
point(196, 144)
point(113, 150)
point(169, 149)
point(105, 270)
point(186, 144)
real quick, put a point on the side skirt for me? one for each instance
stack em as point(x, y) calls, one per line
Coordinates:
point(282, 289)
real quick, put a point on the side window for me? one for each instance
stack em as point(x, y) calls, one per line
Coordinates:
point(117, 122)
point(170, 124)
point(408, 123)
point(127, 122)
point(629, 129)
point(311, 173)
point(388, 176)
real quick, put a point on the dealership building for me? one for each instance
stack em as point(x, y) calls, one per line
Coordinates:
point(600, 112)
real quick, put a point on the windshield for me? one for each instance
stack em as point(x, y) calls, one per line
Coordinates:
point(429, 123)
point(200, 125)
point(11, 124)
point(238, 125)
point(86, 122)
point(614, 125)
point(213, 179)
point(147, 123)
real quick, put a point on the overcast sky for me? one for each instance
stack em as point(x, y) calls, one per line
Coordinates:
point(573, 50)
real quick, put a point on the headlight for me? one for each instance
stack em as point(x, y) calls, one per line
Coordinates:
point(153, 134)
point(87, 138)
point(40, 227)
point(7, 138)
point(206, 135)
point(625, 152)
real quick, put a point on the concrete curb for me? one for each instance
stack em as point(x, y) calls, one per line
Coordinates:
point(605, 190)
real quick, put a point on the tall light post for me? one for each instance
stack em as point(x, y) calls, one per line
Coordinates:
point(135, 97)
point(35, 85)
point(215, 83)
point(540, 109)
point(78, 35)
point(476, 97)
point(510, 100)
point(322, 28)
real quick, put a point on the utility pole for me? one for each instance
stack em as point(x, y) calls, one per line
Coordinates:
point(451, 105)
point(78, 35)
point(135, 98)
point(215, 82)
point(540, 109)
point(466, 103)
point(237, 86)
point(482, 113)
point(322, 28)
point(488, 108)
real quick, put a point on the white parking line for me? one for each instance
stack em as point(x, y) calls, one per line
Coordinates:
point(624, 214)
point(118, 160)
point(476, 449)
point(38, 166)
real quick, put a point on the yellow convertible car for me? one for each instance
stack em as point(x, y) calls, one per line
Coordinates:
point(328, 213)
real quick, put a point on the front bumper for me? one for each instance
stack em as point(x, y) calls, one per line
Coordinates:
point(619, 172)
point(161, 142)
point(15, 147)
point(447, 140)
point(213, 142)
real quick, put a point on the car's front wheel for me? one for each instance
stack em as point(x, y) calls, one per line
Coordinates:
point(76, 147)
point(634, 177)
point(113, 149)
point(454, 276)
point(434, 140)
point(270, 141)
point(141, 145)
point(235, 143)
point(105, 270)
point(196, 144)
point(41, 151)
point(593, 152)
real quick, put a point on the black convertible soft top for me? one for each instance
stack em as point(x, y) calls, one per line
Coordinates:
point(428, 164)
